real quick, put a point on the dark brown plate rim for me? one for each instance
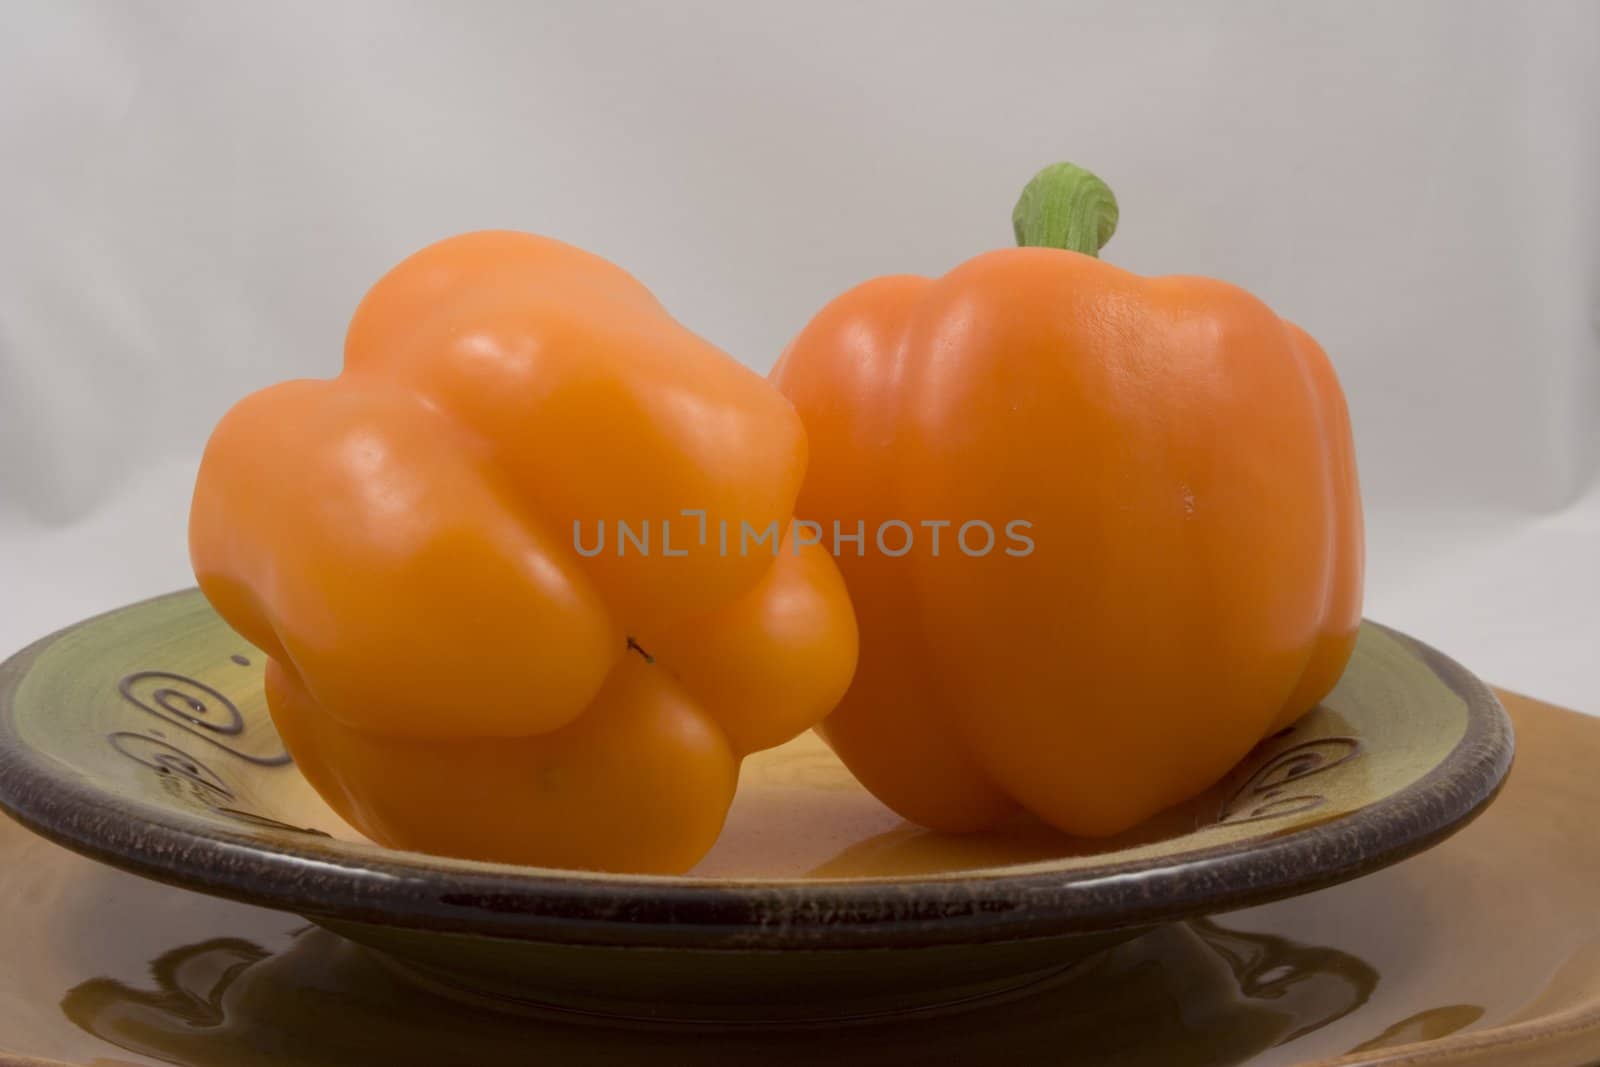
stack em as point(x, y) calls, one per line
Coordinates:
point(321, 878)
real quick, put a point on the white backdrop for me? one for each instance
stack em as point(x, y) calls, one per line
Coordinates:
point(194, 196)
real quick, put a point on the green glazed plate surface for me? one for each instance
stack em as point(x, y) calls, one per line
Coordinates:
point(141, 738)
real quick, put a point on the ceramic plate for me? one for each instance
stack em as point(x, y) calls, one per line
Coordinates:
point(141, 738)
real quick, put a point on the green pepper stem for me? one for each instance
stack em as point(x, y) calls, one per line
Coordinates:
point(1065, 206)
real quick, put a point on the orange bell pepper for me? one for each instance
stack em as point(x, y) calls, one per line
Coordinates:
point(1166, 473)
point(450, 670)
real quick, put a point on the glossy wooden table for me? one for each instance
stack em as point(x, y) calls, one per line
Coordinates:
point(1484, 951)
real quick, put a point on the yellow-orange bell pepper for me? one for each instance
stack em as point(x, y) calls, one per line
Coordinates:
point(1166, 472)
point(453, 664)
